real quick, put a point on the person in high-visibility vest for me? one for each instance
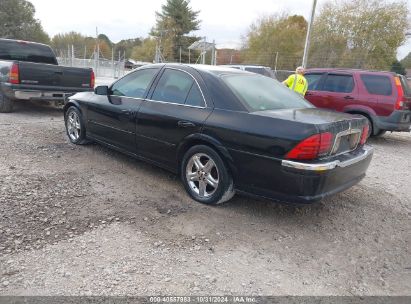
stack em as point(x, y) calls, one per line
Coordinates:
point(297, 82)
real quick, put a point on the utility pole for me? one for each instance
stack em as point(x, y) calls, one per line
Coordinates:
point(307, 39)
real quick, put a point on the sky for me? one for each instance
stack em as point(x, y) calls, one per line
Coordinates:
point(224, 21)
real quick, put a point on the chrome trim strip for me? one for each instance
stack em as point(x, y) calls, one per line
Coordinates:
point(367, 151)
point(176, 104)
point(338, 139)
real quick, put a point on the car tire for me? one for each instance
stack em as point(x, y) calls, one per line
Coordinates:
point(75, 127)
point(6, 104)
point(205, 176)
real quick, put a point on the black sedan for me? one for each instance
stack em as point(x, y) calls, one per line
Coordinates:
point(224, 131)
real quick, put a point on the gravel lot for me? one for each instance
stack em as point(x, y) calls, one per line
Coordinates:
point(90, 221)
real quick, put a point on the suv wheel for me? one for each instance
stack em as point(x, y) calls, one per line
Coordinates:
point(205, 176)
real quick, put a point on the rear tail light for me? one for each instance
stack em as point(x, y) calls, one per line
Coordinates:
point(14, 77)
point(400, 103)
point(312, 147)
point(92, 79)
point(364, 135)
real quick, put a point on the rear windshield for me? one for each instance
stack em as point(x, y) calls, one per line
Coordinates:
point(23, 51)
point(405, 86)
point(259, 93)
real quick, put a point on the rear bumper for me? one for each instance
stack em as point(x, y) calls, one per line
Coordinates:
point(304, 183)
point(397, 121)
point(40, 93)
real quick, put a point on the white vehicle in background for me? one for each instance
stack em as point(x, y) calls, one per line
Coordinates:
point(258, 69)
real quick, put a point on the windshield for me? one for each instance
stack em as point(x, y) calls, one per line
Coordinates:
point(259, 93)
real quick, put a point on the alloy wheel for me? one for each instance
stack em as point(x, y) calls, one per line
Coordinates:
point(73, 126)
point(202, 175)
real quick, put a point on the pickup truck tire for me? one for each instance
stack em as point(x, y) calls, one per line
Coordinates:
point(75, 127)
point(6, 104)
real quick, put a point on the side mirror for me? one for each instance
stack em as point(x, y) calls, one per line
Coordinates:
point(101, 90)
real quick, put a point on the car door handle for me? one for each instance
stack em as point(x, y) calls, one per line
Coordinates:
point(348, 97)
point(128, 112)
point(58, 72)
point(308, 94)
point(185, 124)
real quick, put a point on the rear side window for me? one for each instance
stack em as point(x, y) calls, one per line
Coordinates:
point(377, 84)
point(195, 98)
point(313, 81)
point(339, 83)
point(24, 51)
point(173, 87)
point(405, 86)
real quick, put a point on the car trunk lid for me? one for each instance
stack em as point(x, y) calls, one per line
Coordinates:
point(345, 128)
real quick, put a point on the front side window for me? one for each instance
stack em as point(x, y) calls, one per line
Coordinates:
point(259, 93)
point(134, 84)
point(377, 84)
point(173, 87)
point(339, 83)
point(313, 81)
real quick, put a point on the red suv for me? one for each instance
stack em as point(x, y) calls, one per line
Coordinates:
point(384, 98)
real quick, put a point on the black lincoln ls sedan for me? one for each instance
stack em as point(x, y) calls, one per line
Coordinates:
point(224, 131)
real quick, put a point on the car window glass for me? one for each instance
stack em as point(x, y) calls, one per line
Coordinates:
point(339, 83)
point(195, 98)
point(405, 86)
point(259, 93)
point(134, 84)
point(313, 81)
point(24, 51)
point(377, 84)
point(173, 87)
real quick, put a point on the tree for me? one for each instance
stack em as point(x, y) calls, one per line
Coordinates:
point(62, 44)
point(126, 46)
point(358, 34)
point(17, 21)
point(173, 24)
point(398, 68)
point(146, 51)
point(282, 34)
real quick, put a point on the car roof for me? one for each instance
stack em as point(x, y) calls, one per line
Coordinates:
point(22, 41)
point(246, 66)
point(347, 70)
point(212, 69)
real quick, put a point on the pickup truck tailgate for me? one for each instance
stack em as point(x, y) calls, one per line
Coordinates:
point(53, 75)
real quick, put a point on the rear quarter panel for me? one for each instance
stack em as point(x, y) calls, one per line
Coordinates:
point(256, 145)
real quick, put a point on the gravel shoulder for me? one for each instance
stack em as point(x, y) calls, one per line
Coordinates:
point(90, 221)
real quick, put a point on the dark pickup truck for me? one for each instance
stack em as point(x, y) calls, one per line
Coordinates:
point(29, 71)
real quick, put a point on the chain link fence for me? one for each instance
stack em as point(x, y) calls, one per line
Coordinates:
point(103, 68)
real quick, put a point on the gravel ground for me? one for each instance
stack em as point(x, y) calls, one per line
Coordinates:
point(90, 221)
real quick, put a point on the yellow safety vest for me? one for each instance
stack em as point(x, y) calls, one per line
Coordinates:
point(297, 83)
